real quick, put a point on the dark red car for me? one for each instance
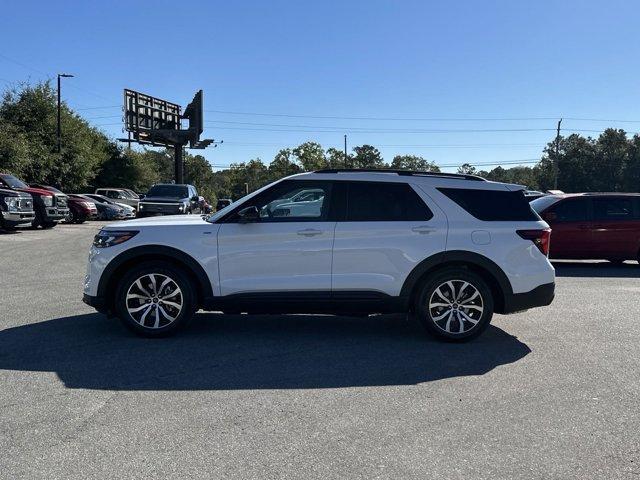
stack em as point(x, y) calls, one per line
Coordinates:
point(592, 225)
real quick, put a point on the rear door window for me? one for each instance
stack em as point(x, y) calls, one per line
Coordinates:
point(384, 202)
point(492, 205)
point(612, 209)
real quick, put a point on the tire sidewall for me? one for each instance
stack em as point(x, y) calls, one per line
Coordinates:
point(164, 268)
point(430, 285)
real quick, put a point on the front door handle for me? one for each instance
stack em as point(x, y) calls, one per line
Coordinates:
point(309, 232)
point(423, 229)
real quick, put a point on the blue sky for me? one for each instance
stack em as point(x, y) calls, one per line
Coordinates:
point(457, 65)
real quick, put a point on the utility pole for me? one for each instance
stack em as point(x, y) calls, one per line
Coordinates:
point(556, 168)
point(179, 162)
point(345, 152)
point(59, 131)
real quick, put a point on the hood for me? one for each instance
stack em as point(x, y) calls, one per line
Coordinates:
point(162, 199)
point(5, 192)
point(163, 221)
point(36, 191)
point(125, 207)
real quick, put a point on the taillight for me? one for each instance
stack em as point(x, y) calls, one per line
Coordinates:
point(541, 238)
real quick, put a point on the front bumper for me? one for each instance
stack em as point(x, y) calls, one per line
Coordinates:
point(55, 213)
point(98, 303)
point(16, 219)
point(538, 297)
point(149, 209)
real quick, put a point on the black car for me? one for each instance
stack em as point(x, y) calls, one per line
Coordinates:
point(170, 199)
point(16, 209)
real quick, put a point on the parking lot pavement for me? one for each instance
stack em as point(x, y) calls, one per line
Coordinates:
point(549, 393)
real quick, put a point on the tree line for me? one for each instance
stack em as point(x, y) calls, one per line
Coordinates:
point(90, 159)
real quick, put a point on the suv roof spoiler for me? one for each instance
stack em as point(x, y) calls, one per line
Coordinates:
point(408, 173)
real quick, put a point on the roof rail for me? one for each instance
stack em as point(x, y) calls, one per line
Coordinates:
point(417, 173)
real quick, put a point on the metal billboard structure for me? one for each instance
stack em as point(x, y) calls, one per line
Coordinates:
point(152, 121)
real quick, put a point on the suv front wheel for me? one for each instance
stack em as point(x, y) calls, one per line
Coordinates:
point(155, 299)
point(455, 304)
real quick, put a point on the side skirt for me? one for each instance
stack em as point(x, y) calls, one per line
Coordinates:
point(308, 302)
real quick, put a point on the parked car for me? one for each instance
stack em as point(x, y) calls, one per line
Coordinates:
point(129, 211)
point(16, 209)
point(80, 209)
point(223, 202)
point(593, 225)
point(49, 207)
point(105, 211)
point(169, 199)
point(120, 195)
point(451, 249)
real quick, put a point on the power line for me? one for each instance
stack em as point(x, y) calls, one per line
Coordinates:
point(421, 119)
point(310, 129)
point(50, 76)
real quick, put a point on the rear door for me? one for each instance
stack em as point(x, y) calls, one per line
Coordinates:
point(286, 250)
point(385, 230)
point(571, 225)
point(616, 227)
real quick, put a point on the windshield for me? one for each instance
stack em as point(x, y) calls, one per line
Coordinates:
point(13, 182)
point(221, 213)
point(130, 194)
point(178, 191)
point(542, 203)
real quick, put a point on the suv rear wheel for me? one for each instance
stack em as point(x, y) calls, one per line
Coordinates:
point(155, 299)
point(455, 304)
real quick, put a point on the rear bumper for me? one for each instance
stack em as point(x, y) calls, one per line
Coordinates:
point(538, 297)
point(15, 219)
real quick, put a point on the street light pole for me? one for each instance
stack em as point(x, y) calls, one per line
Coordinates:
point(59, 132)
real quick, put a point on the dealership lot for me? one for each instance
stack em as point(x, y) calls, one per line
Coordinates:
point(550, 393)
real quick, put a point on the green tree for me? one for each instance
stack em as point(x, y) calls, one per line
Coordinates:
point(283, 165)
point(367, 156)
point(310, 156)
point(31, 110)
point(467, 168)
point(336, 158)
point(413, 162)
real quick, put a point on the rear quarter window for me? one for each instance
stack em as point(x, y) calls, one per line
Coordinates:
point(492, 205)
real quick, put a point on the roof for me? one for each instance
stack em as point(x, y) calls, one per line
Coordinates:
point(410, 173)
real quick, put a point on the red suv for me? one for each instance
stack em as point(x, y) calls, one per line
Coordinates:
point(592, 225)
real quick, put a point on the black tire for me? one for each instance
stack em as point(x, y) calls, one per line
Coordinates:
point(5, 227)
point(48, 225)
point(152, 325)
point(445, 322)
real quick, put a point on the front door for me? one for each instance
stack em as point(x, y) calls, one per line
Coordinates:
point(616, 229)
point(288, 248)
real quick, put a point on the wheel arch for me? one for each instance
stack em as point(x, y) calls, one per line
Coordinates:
point(490, 272)
point(117, 268)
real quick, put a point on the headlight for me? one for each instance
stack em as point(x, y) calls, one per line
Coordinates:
point(140, 206)
point(107, 238)
point(47, 200)
point(12, 203)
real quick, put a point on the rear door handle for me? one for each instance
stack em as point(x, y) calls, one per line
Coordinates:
point(423, 229)
point(309, 232)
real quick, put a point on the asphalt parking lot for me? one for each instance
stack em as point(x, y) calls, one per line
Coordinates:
point(549, 393)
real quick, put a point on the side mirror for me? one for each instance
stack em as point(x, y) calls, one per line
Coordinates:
point(195, 198)
point(249, 214)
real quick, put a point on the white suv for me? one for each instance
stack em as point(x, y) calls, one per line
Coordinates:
point(450, 249)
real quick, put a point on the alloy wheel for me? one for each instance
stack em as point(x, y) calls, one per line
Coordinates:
point(154, 300)
point(456, 306)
